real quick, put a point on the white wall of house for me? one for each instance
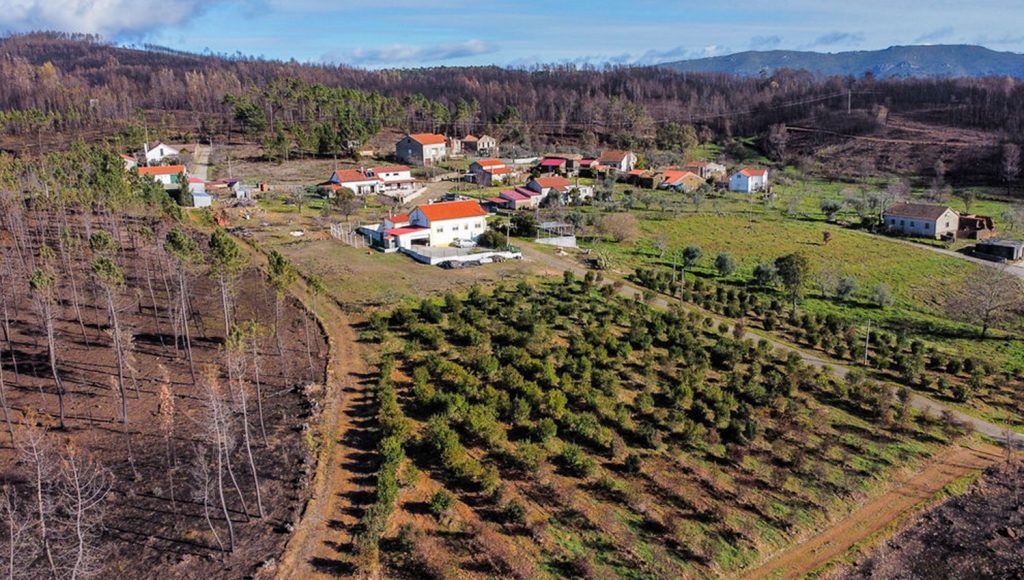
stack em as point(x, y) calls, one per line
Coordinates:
point(159, 152)
point(444, 232)
point(748, 183)
point(948, 223)
point(409, 150)
point(367, 187)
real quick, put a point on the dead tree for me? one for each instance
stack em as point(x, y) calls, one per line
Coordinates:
point(203, 481)
point(36, 452)
point(165, 417)
point(186, 254)
point(43, 286)
point(82, 489)
point(235, 354)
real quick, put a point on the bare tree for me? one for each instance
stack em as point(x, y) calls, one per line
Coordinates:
point(186, 254)
point(203, 480)
point(988, 297)
point(254, 332)
point(43, 285)
point(165, 418)
point(236, 356)
point(82, 489)
point(1011, 164)
point(217, 436)
point(21, 549)
point(110, 278)
point(36, 452)
point(226, 262)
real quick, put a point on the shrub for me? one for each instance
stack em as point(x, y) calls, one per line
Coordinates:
point(575, 461)
point(441, 502)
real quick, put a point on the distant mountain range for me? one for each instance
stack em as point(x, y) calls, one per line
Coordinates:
point(895, 62)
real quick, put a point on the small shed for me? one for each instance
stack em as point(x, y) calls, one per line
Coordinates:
point(1000, 250)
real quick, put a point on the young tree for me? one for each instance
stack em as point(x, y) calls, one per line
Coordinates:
point(186, 255)
point(765, 274)
point(165, 419)
point(725, 264)
point(830, 207)
point(881, 295)
point(691, 257)
point(226, 263)
point(282, 276)
point(794, 273)
point(43, 285)
point(236, 356)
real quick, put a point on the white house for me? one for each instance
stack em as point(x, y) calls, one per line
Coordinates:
point(159, 152)
point(436, 224)
point(393, 177)
point(482, 145)
point(167, 175)
point(921, 219)
point(706, 169)
point(129, 162)
point(748, 180)
point(354, 180)
point(623, 161)
point(422, 148)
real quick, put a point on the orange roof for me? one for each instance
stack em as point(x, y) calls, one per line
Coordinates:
point(499, 171)
point(162, 170)
point(555, 182)
point(470, 138)
point(754, 172)
point(675, 175)
point(352, 175)
point(489, 162)
point(390, 169)
point(428, 138)
point(452, 210)
point(400, 218)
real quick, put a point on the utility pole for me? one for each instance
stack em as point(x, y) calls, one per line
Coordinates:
point(849, 101)
point(867, 343)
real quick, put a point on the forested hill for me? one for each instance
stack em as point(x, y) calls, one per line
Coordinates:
point(52, 83)
point(938, 61)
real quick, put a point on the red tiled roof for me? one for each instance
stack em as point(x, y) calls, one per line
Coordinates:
point(500, 200)
point(527, 192)
point(499, 171)
point(452, 210)
point(470, 138)
point(428, 138)
point(400, 218)
point(550, 162)
point(351, 176)
point(162, 170)
point(489, 162)
point(749, 172)
point(555, 182)
point(674, 175)
point(636, 172)
point(613, 156)
point(588, 161)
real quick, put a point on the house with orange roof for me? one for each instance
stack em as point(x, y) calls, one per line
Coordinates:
point(129, 162)
point(489, 172)
point(393, 177)
point(681, 180)
point(167, 175)
point(484, 145)
point(707, 169)
point(749, 180)
point(435, 224)
point(422, 148)
point(358, 181)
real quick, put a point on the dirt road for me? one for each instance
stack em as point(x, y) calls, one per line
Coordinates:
point(899, 502)
point(343, 483)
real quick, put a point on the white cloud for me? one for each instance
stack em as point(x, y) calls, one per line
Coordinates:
point(110, 18)
point(412, 54)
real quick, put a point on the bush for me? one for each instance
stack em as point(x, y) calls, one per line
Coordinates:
point(441, 502)
point(575, 461)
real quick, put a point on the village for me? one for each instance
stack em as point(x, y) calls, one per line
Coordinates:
point(447, 228)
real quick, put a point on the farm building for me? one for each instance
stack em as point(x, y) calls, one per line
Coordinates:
point(1000, 250)
point(167, 175)
point(684, 181)
point(706, 170)
point(422, 148)
point(922, 220)
point(484, 145)
point(975, 227)
point(749, 180)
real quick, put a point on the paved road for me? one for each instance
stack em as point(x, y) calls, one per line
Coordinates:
point(549, 258)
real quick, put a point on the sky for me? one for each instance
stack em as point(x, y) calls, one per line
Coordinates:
point(408, 33)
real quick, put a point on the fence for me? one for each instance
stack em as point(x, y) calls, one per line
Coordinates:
point(346, 233)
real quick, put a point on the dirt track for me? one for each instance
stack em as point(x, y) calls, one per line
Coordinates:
point(879, 513)
point(321, 540)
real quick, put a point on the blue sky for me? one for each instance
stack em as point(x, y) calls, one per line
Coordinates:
point(387, 33)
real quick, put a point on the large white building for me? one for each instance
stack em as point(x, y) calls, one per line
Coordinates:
point(436, 224)
point(393, 177)
point(748, 180)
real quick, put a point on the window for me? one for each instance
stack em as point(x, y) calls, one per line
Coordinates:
point(947, 224)
point(892, 221)
point(440, 229)
point(902, 223)
point(927, 226)
point(913, 225)
point(465, 227)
